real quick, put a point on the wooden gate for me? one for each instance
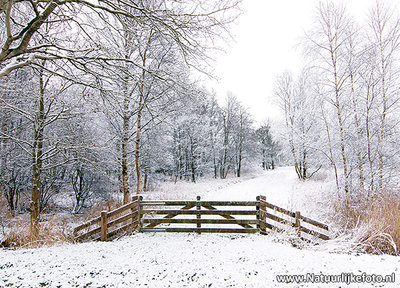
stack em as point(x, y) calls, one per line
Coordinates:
point(226, 217)
point(200, 217)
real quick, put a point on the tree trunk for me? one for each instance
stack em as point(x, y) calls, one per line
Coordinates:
point(37, 150)
point(125, 142)
point(223, 170)
point(4, 131)
point(369, 145)
point(328, 134)
point(304, 171)
point(239, 164)
point(3, 163)
point(138, 132)
point(139, 117)
point(381, 137)
point(146, 172)
point(340, 121)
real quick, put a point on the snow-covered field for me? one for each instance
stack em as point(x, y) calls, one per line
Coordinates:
point(190, 260)
point(178, 260)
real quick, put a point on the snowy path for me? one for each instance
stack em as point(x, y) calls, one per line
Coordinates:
point(190, 260)
point(276, 185)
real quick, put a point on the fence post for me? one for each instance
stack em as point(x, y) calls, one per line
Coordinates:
point(298, 223)
point(135, 212)
point(140, 199)
point(103, 226)
point(198, 216)
point(263, 210)
point(258, 214)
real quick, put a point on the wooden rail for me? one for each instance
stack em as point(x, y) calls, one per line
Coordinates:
point(122, 219)
point(199, 217)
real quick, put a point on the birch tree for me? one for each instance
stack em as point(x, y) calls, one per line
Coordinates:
point(385, 38)
point(328, 43)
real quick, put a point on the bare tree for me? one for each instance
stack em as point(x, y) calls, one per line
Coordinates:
point(385, 36)
point(328, 43)
point(22, 21)
point(297, 101)
point(268, 147)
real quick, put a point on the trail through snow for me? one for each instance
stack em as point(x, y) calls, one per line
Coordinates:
point(190, 260)
point(277, 185)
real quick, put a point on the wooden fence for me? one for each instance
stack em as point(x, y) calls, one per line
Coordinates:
point(273, 217)
point(122, 219)
point(200, 217)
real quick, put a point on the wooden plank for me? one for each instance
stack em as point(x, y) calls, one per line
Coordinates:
point(212, 203)
point(270, 226)
point(129, 216)
point(229, 203)
point(129, 226)
point(314, 233)
point(167, 203)
point(228, 216)
point(275, 218)
point(315, 223)
point(122, 209)
point(202, 221)
point(202, 212)
point(187, 207)
point(87, 224)
point(202, 230)
point(111, 234)
point(267, 225)
point(279, 209)
point(88, 234)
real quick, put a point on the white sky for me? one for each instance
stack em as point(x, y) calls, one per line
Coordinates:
point(266, 36)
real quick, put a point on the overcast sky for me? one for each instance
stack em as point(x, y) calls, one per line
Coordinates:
point(266, 37)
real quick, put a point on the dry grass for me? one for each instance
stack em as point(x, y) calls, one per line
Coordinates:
point(374, 222)
point(55, 230)
point(15, 229)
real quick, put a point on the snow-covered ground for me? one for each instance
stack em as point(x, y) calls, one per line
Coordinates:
point(179, 260)
point(190, 260)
